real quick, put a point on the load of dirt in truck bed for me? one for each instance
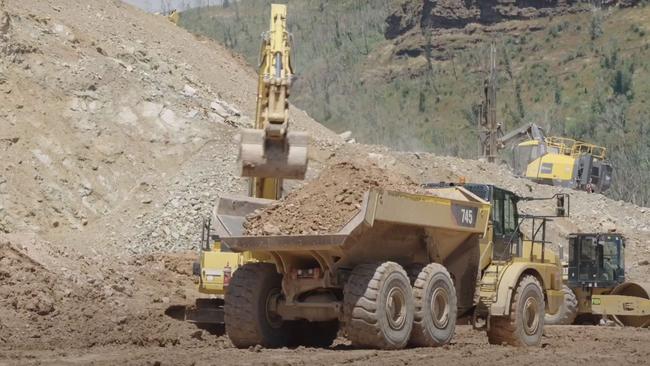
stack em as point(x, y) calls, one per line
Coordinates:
point(327, 203)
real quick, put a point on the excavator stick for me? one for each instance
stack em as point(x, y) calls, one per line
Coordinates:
point(271, 150)
point(273, 158)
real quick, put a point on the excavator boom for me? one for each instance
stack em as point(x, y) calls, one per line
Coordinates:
point(268, 153)
point(270, 150)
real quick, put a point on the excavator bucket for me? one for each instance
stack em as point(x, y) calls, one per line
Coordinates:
point(273, 158)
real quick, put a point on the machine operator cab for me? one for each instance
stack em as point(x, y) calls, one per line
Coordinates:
point(504, 217)
point(506, 237)
point(524, 154)
point(505, 232)
point(596, 260)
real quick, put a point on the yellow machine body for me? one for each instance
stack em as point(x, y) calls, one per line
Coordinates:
point(505, 258)
point(213, 263)
point(551, 167)
point(174, 17)
point(558, 161)
point(501, 276)
point(595, 285)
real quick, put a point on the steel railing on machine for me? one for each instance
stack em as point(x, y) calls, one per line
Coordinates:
point(538, 228)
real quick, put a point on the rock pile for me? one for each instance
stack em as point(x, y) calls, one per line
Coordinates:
point(327, 203)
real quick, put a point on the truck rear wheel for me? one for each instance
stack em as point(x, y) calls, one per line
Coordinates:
point(435, 307)
point(525, 324)
point(247, 316)
point(567, 312)
point(378, 306)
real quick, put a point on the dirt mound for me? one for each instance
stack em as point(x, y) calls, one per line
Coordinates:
point(117, 137)
point(53, 303)
point(117, 125)
point(327, 203)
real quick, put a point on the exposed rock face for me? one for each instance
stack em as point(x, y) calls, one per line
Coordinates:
point(446, 14)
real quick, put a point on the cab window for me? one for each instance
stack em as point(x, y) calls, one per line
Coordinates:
point(497, 213)
point(504, 213)
point(509, 215)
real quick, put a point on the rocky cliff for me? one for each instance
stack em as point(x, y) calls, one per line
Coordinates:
point(449, 14)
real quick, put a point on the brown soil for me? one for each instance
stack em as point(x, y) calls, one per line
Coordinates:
point(327, 203)
point(111, 147)
point(562, 345)
point(76, 301)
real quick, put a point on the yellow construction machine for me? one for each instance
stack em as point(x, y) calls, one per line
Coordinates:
point(401, 271)
point(595, 287)
point(268, 154)
point(174, 16)
point(518, 274)
point(557, 161)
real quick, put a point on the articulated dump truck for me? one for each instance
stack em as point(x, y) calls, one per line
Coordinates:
point(400, 272)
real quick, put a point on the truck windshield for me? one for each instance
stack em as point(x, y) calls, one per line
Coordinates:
point(504, 213)
point(612, 256)
point(596, 258)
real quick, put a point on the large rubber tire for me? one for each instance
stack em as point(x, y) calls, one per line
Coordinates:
point(248, 322)
point(436, 310)
point(525, 324)
point(567, 312)
point(314, 334)
point(378, 306)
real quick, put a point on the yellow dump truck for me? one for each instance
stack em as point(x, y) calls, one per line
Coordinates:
point(400, 272)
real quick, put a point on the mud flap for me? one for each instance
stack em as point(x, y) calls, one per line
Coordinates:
point(267, 158)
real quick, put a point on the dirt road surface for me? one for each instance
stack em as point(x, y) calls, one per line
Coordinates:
point(568, 345)
point(118, 136)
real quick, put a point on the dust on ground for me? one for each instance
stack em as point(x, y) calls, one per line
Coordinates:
point(58, 299)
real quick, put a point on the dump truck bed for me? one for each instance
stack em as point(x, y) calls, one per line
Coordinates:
point(408, 229)
point(412, 216)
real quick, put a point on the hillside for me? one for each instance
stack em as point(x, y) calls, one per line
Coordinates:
point(410, 76)
point(98, 119)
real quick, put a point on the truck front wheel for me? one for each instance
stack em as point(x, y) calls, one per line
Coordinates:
point(567, 312)
point(249, 320)
point(435, 307)
point(378, 306)
point(525, 324)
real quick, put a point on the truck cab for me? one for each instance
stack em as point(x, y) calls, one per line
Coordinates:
point(596, 260)
point(503, 231)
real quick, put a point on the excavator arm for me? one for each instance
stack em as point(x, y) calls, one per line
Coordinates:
point(529, 131)
point(270, 152)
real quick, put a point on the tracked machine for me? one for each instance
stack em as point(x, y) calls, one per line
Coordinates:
point(557, 161)
point(269, 153)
